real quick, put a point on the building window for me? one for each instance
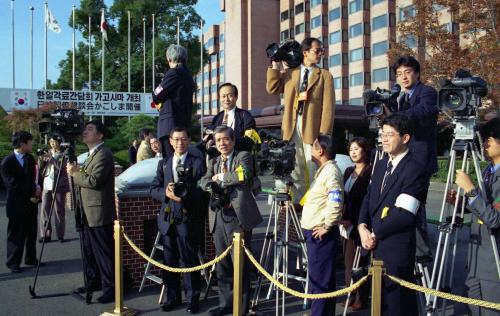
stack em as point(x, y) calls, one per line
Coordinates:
point(355, 6)
point(355, 30)
point(285, 15)
point(410, 41)
point(335, 60)
point(284, 35)
point(213, 58)
point(334, 14)
point(221, 55)
point(356, 101)
point(205, 75)
point(355, 54)
point(379, 22)
point(221, 38)
point(221, 71)
point(316, 2)
point(214, 104)
point(437, 7)
point(337, 83)
point(316, 22)
point(300, 28)
point(381, 74)
point(299, 8)
point(380, 48)
point(335, 37)
point(214, 73)
point(214, 88)
point(407, 12)
point(356, 79)
point(374, 2)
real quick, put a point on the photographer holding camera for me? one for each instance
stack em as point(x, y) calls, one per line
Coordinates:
point(180, 219)
point(229, 180)
point(309, 107)
point(482, 280)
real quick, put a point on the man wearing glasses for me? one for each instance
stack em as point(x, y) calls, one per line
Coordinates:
point(309, 108)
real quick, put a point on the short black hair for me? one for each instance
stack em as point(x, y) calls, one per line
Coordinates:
point(408, 61)
point(399, 122)
point(307, 44)
point(490, 129)
point(100, 128)
point(21, 137)
point(365, 146)
point(225, 129)
point(56, 137)
point(180, 129)
point(228, 84)
point(144, 132)
point(326, 142)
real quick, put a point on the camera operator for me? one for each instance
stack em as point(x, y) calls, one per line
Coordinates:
point(482, 279)
point(229, 179)
point(321, 214)
point(309, 108)
point(96, 182)
point(239, 120)
point(180, 220)
point(19, 175)
point(174, 97)
point(50, 164)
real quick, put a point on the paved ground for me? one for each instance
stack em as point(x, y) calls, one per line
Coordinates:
point(62, 273)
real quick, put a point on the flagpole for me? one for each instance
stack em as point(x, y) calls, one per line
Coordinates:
point(90, 53)
point(102, 54)
point(13, 54)
point(73, 58)
point(153, 52)
point(128, 48)
point(144, 53)
point(31, 48)
point(178, 32)
point(46, 57)
point(202, 79)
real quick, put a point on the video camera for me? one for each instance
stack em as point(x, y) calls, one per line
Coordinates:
point(218, 197)
point(288, 51)
point(375, 100)
point(462, 94)
point(276, 157)
point(65, 123)
point(182, 186)
point(212, 151)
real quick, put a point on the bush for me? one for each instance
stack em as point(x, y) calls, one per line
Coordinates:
point(442, 173)
point(121, 157)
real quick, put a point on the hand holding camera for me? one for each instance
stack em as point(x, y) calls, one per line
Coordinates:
point(169, 192)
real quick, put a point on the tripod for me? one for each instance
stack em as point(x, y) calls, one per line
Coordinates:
point(451, 223)
point(277, 244)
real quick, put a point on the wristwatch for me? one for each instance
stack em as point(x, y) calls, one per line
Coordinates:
point(472, 193)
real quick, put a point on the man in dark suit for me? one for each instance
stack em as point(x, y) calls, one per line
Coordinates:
point(239, 120)
point(96, 182)
point(174, 97)
point(19, 175)
point(180, 220)
point(235, 211)
point(388, 214)
point(483, 277)
point(419, 103)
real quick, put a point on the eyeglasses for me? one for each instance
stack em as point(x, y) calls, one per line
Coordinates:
point(407, 73)
point(179, 140)
point(388, 135)
point(317, 51)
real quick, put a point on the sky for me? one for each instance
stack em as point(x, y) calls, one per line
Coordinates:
point(58, 43)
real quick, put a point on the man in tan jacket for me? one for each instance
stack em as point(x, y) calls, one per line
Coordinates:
point(309, 108)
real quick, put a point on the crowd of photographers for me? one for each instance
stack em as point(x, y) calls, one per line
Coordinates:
point(375, 209)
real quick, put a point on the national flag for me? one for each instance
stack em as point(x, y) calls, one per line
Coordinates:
point(104, 27)
point(51, 22)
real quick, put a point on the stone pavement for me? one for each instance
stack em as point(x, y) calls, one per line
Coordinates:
point(62, 273)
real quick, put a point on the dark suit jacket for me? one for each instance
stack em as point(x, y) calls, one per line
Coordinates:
point(132, 155)
point(239, 191)
point(20, 184)
point(192, 203)
point(354, 199)
point(243, 120)
point(96, 180)
point(176, 93)
point(481, 261)
point(423, 113)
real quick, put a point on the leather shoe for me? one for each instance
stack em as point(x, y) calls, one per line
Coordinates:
point(106, 299)
point(193, 307)
point(92, 287)
point(46, 239)
point(15, 269)
point(219, 311)
point(168, 306)
point(33, 263)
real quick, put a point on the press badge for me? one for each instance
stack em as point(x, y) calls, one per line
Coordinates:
point(302, 96)
point(335, 196)
point(385, 212)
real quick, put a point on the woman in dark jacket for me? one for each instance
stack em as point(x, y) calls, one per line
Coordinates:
point(356, 180)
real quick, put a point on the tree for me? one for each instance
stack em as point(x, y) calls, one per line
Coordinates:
point(470, 42)
point(166, 13)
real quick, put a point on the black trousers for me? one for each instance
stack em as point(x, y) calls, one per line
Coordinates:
point(21, 233)
point(98, 248)
point(225, 226)
point(166, 149)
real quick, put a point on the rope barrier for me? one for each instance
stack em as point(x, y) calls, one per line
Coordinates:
point(448, 296)
point(172, 269)
point(340, 292)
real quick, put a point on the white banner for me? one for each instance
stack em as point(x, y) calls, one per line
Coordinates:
point(105, 103)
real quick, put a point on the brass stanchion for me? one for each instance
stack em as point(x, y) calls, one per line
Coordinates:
point(376, 272)
point(237, 273)
point(119, 310)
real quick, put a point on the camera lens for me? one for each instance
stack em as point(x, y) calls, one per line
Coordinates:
point(374, 109)
point(452, 100)
point(266, 167)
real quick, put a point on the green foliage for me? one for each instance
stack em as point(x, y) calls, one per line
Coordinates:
point(124, 131)
point(121, 157)
point(443, 165)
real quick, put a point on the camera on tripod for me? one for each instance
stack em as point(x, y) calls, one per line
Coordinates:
point(218, 196)
point(288, 51)
point(182, 186)
point(277, 158)
point(66, 123)
point(375, 100)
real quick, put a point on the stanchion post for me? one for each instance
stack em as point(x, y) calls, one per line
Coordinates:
point(376, 272)
point(237, 273)
point(119, 309)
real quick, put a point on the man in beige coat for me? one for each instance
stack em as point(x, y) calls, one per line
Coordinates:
point(96, 181)
point(309, 108)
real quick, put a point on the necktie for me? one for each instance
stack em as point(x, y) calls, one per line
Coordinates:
point(487, 178)
point(303, 87)
point(386, 176)
point(179, 162)
point(404, 102)
point(224, 120)
point(224, 164)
